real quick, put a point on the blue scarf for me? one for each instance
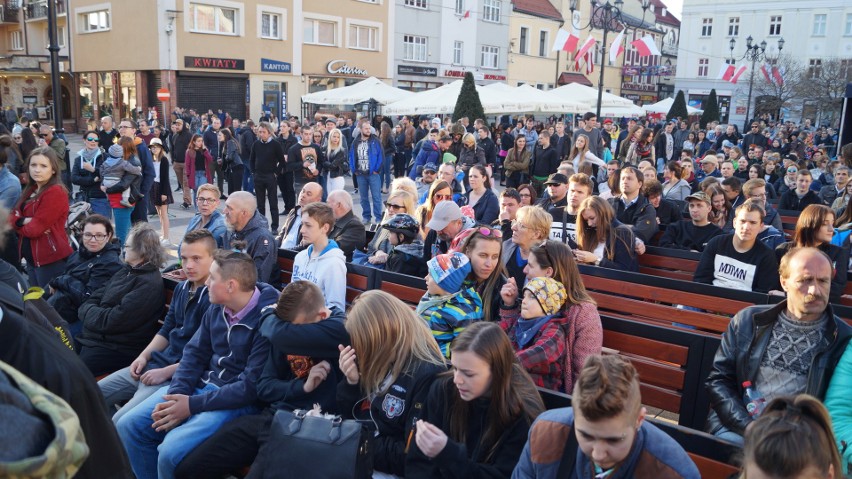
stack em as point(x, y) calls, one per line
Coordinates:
point(526, 329)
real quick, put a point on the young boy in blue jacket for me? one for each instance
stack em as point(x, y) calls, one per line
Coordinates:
point(447, 306)
point(216, 379)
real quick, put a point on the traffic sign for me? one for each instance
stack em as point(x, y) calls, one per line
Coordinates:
point(163, 94)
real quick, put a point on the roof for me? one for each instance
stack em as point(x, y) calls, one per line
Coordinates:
point(566, 78)
point(668, 18)
point(537, 8)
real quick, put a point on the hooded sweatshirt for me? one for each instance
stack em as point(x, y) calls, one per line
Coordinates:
point(448, 315)
point(328, 271)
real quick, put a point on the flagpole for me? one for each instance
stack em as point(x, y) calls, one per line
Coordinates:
point(601, 77)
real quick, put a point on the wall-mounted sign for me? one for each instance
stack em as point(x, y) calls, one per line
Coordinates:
point(415, 70)
point(214, 63)
point(478, 76)
point(274, 66)
point(638, 86)
point(29, 91)
point(339, 67)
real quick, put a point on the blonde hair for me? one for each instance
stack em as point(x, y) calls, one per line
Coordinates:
point(468, 138)
point(388, 337)
point(536, 220)
point(404, 183)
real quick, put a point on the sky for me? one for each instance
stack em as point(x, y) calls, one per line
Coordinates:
point(676, 7)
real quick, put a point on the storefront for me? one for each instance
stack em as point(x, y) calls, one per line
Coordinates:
point(335, 74)
point(108, 93)
point(697, 99)
point(639, 93)
point(270, 90)
point(214, 90)
point(417, 78)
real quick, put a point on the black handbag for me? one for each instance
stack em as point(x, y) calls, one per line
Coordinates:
point(302, 446)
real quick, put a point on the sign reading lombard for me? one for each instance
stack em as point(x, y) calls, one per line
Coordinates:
point(339, 67)
point(214, 63)
point(274, 66)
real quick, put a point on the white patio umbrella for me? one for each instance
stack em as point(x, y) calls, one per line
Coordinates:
point(370, 89)
point(588, 95)
point(442, 100)
point(663, 106)
point(547, 102)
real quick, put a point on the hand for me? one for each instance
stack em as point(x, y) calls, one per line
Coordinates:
point(137, 366)
point(775, 292)
point(50, 290)
point(585, 256)
point(348, 364)
point(103, 188)
point(318, 374)
point(505, 215)
point(379, 257)
point(163, 197)
point(153, 377)
point(27, 220)
point(639, 247)
point(430, 439)
point(509, 292)
point(170, 414)
point(88, 167)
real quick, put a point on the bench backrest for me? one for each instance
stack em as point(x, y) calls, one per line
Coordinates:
point(669, 263)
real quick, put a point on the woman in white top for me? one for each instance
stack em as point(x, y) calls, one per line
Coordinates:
point(581, 152)
point(675, 187)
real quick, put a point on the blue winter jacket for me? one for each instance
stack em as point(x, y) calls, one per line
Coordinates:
point(216, 226)
point(229, 357)
point(181, 323)
point(376, 155)
point(430, 152)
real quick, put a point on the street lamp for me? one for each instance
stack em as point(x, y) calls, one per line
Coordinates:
point(754, 53)
point(605, 16)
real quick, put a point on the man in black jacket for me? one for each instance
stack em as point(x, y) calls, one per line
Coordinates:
point(178, 143)
point(544, 161)
point(286, 183)
point(265, 160)
point(802, 196)
point(348, 231)
point(633, 209)
point(247, 139)
point(783, 350)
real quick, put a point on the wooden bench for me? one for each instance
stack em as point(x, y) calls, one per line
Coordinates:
point(669, 263)
point(358, 278)
point(715, 459)
point(407, 288)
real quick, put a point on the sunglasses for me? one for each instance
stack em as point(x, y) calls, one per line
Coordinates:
point(442, 197)
point(392, 206)
point(87, 139)
point(42, 135)
point(485, 231)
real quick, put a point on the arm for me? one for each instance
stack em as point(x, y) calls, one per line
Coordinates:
point(838, 401)
point(270, 387)
point(593, 159)
point(333, 287)
point(624, 257)
point(723, 384)
point(548, 348)
point(645, 225)
point(138, 307)
point(671, 237)
point(316, 339)
point(129, 167)
point(53, 208)
point(79, 291)
point(196, 355)
point(838, 284)
point(766, 276)
point(491, 211)
point(704, 272)
point(588, 337)
point(81, 177)
point(353, 237)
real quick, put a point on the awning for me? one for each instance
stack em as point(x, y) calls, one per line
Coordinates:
point(566, 78)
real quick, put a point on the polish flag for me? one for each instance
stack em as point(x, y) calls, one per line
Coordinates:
point(726, 72)
point(590, 64)
point(587, 45)
point(565, 41)
point(646, 46)
point(765, 72)
point(778, 75)
point(617, 47)
point(737, 74)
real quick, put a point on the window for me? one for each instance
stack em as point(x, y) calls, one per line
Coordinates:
point(416, 4)
point(489, 57)
point(414, 48)
point(733, 26)
point(320, 32)
point(523, 48)
point(16, 40)
point(775, 25)
point(458, 47)
point(703, 67)
point(819, 24)
point(706, 27)
point(270, 25)
point(95, 21)
point(213, 19)
point(848, 30)
point(814, 68)
point(60, 37)
point(363, 38)
point(491, 11)
point(542, 43)
point(460, 7)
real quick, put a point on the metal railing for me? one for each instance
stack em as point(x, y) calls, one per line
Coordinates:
point(37, 10)
point(9, 11)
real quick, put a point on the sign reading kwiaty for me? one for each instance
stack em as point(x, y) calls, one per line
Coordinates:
point(274, 66)
point(214, 63)
point(339, 67)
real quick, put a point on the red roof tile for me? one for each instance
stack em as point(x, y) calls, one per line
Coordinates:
point(538, 8)
point(668, 18)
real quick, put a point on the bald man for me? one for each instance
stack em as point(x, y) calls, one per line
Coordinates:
point(348, 231)
point(290, 237)
point(248, 231)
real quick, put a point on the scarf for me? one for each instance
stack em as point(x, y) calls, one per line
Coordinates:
point(527, 329)
point(89, 155)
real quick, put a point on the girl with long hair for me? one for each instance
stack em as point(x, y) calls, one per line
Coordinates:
point(601, 239)
point(389, 370)
point(527, 194)
point(161, 191)
point(580, 152)
point(675, 187)
point(815, 229)
point(198, 164)
point(232, 163)
point(643, 148)
point(389, 148)
point(438, 192)
point(720, 206)
point(39, 218)
point(702, 144)
point(626, 152)
point(690, 142)
point(483, 246)
point(336, 161)
point(479, 196)
point(477, 417)
point(517, 163)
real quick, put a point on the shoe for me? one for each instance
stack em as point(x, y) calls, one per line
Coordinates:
point(355, 191)
point(178, 188)
point(165, 241)
point(186, 206)
point(384, 190)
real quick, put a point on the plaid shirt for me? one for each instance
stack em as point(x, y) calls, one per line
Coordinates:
point(544, 357)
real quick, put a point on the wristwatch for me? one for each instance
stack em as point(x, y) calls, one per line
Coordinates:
point(597, 262)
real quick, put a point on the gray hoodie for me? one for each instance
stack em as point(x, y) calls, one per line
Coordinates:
point(328, 271)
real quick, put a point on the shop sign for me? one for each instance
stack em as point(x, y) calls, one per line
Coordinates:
point(29, 91)
point(214, 63)
point(339, 67)
point(692, 91)
point(638, 86)
point(478, 76)
point(274, 66)
point(415, 70)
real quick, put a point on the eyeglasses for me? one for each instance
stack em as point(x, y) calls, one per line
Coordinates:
point(87, 139)
point(392, 206)
point(97, 237)
point(18, 138)
point(484, 231)
point(442, 197)
point(124, 127)
point(43, 135)
point(203, 201)
point(526, 195)
point(519, 225)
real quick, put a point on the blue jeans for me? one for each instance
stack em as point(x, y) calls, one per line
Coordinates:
point(248, 179)
point(386, 170)
point(122, 223)
point(322, 180)
point(156, 454)
point(101, 206)
point(200, 179)
point(372, 185)
point(730, 436)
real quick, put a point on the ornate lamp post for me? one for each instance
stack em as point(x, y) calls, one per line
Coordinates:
point(607, 17)
point(753, 53)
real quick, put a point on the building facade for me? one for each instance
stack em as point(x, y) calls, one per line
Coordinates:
point(812, 31)
point(533, 27)
point(437, 41)
point(669, 26)
point(25, 60)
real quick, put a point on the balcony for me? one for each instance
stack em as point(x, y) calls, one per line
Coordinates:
point(9, 11)
point(38, 10)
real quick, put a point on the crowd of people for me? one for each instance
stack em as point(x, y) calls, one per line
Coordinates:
point(447, 387)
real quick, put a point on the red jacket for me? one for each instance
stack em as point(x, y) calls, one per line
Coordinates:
point(46, 230)
point(190, 167)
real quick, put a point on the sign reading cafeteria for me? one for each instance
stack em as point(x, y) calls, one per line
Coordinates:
point(214, 63)
point(339, 67)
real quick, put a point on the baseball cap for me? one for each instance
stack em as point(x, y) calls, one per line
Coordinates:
point(430, 167)
point(156, 141)
point(557, 179)
point(708, 159)
point(607, 121)
point(727, 144)
point(443, 214)
point(700, 196)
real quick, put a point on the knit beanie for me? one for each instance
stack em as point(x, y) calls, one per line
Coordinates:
point(449, 270)
point(116, 151)
point(449, 158)
point(549, 293)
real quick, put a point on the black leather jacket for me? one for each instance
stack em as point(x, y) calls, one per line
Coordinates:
point(739, 355)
